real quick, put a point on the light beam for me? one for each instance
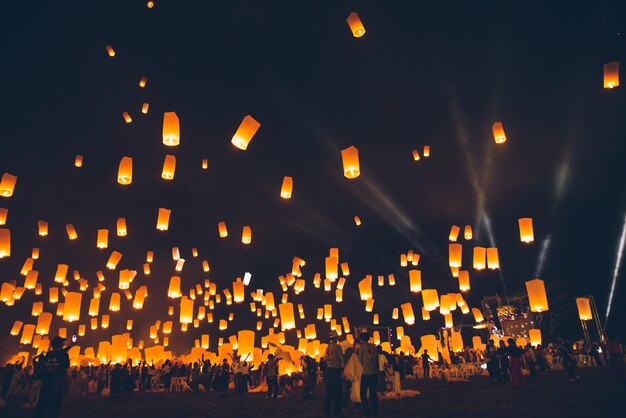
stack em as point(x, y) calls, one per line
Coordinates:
point(618, 262)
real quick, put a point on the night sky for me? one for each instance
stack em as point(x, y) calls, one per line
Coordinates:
point(424, 74)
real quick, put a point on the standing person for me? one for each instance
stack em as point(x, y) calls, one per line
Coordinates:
point(515, 354)
point(426, 364)
point(382, 371)
point(368, 357)
point(334, 366)
point(53, 373)
point(271, 376)
point(503, 356)
point(309, 367)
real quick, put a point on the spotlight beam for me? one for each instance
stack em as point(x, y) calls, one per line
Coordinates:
point(618, 262)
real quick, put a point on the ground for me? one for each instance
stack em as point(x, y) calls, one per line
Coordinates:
point(549, 395)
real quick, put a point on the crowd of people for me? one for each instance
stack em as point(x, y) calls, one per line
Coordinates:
point(355, 376)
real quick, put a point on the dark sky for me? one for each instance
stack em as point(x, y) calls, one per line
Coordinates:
point(437, 74)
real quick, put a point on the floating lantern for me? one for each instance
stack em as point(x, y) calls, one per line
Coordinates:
point(407, 313)
point(246, 235)
point(114, 258)
point(467, 232)
point(7, 185)
point(356, 26)
point(425, 314)
point(94, 307)
point(163, 219)
point(144, 108)
point(127, 117)
point(71, 232)
point(430, 298)
point(345, 269)
point(537, 298)
point(125, 171)
point(186, 310)
point(125, 277)
point(498, 133)
point(121, 227)
point(114, 303)
point(221, 227)
point(478, 315)
point(456, 342)
point(61, 273)
point(238, 291)
point(416, 155)
point(426, 151)
point(365, 288)
point(611, 75)
point(143, 81)
point(31, 279)
point(42, 228)
point(71, 307)
point(357, 221)
point(464, 281)
point(331, 265)
point(448, 320)
point(43, 323)
point(5, 243)
point(526, 233)
point(455, 254)
point(415, 281)
point(403, 262)
point(103, 238)
point(369, 305)
point(535, 337)
point(27, 334)
point(78, 161)
point(3, 216)
point(205, 164)
point(287, 317)
point(350, 159)
point(169, 167)
point(454, 233)
point(286, 188)
point(480, 257)
point(493, 261)
point(584, 309)
point(110, 50)
point(245, 132)
point(171, 129)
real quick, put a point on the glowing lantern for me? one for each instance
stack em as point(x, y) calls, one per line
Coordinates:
point(171, 129)
point(61, 273)
point(407, 313)
point(37, 308)
point(125, 171)
point(467, 232)
point(31, 279)
point(356, 26)
point(350, 159)
point(174, 288)
point(456, 342)
point(71, 232)
point(163, 219)
point(103, 238)
point(43, 323)
point(493, 261)
point(365, 288)
point(454, 233)
point(430, 298)
point(464, 281)
point(94, 307)
point(331, 268)
point(535, 337)
point(426, 151)
point(110, 50)
point(287, 317)
point(478, 315)
point(114, 258)
point(246, 235)
point(238, 291)
point(480, 257)
point(43, 228)
point(611, 75)
point(537, 298)
point(369, 305)
point(245, 132)
point(455, 254)
point(114, 303)
point(7, 185)
point(425, 314)
point(345, 269)
point(125, 277)
point(143, 81)
point(286, 188)
point(403, 261)
point(127, 117)
point(498, 133)
point(448, 320)
point(186, 310)
point(328, 312)
point(416, 155)
point(71, 308)
point(169, 167)
point(5, 242)
point(357, 221)
point(144, 108)
point(526, 233)
point(121, 227)
point(27, 334)
point(78, 161)
point(584, 309)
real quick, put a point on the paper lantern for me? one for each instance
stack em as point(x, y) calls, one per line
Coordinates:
point(127, 117)
point(584, 309)
point(174, 288)
point(71, 232)
point(537, 298)
point(448, 320)
point(480, 257)
point(238, 291)
point(245, 132)
point(369, 305)
point(78, 161)
point(425, 314)
point(27, 334)
point(611, 75)
point(478, 315)
point(125, 171)
point(143, 81)
point(122, 231)
point(171, 129)
point(71, 308)
point(350, 159)
point(287, 317)
point(186, 310)
point(357, 221)
point(114, 303)
point(31, 279)
point(3, 216)
point(392, 280)
point(535, 337)
point(37, 308)
point(526, 233)
point(42, 228)
point(498, 133)
point(114, 258)
point(6, 292)
point(43, 323)
point(61, 273)
point(94, 307)
point(403, 261)
point(286, 188)
point(103, 238)
point(426, 151)
point(246, 235)
point(365, 288)
point(430, 299)
point(454, 233)
point(455, 254)
point(464, 281)
point(169, 167)
point(125, 277)
point(356, 26)
point(493, 261)
point(467, 232)
point(110, 50)
point(407, 313)
point(7, 185)
point(456, 342)
point(5, 242)
point(416, 155)
point(163, 219)
point(328, 312)
point(331, 265)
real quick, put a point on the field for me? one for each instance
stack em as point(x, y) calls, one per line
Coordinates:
point(549, 395)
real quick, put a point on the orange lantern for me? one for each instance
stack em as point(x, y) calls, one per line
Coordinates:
point(71, 232)
point(114, 258)
point(144, 108)
point(121, 227)
point(426, 151)
point(454, 233)
point(480, 257)
point(365, 288)
point(174, 288)
point(163, 219)
point(286, 188)
point(478, 315)
point(71, 308)
point(246, 235)
point(537, 298)
point(415, 281)
point(143, 81)
point(5, 242)
point(611, 75)
point(61, 273)
point(114, 303)
point(526, 233)
point(464, 281)
point(584, 309)
point(186, 310)
point(332, 270)
point(221, 227)
point(43, 228)
point(455, 254)
point(356, 26)
point(103, 238)
point(416, 155)
point(287, 317)
point(7, 185)
point(357, 221)
point(169, 167)
point(467, 232)
point(171, 129)
point(43, 323)
point(430, 298)
point(127, 117)
point(3, 216)
point(110, 50)
point(407, 313)
point(78, 161)
point(498, 133)
point(125, 171)
point(493, 261)
point(245, 132)
point(350, 159)
point(535, 337)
